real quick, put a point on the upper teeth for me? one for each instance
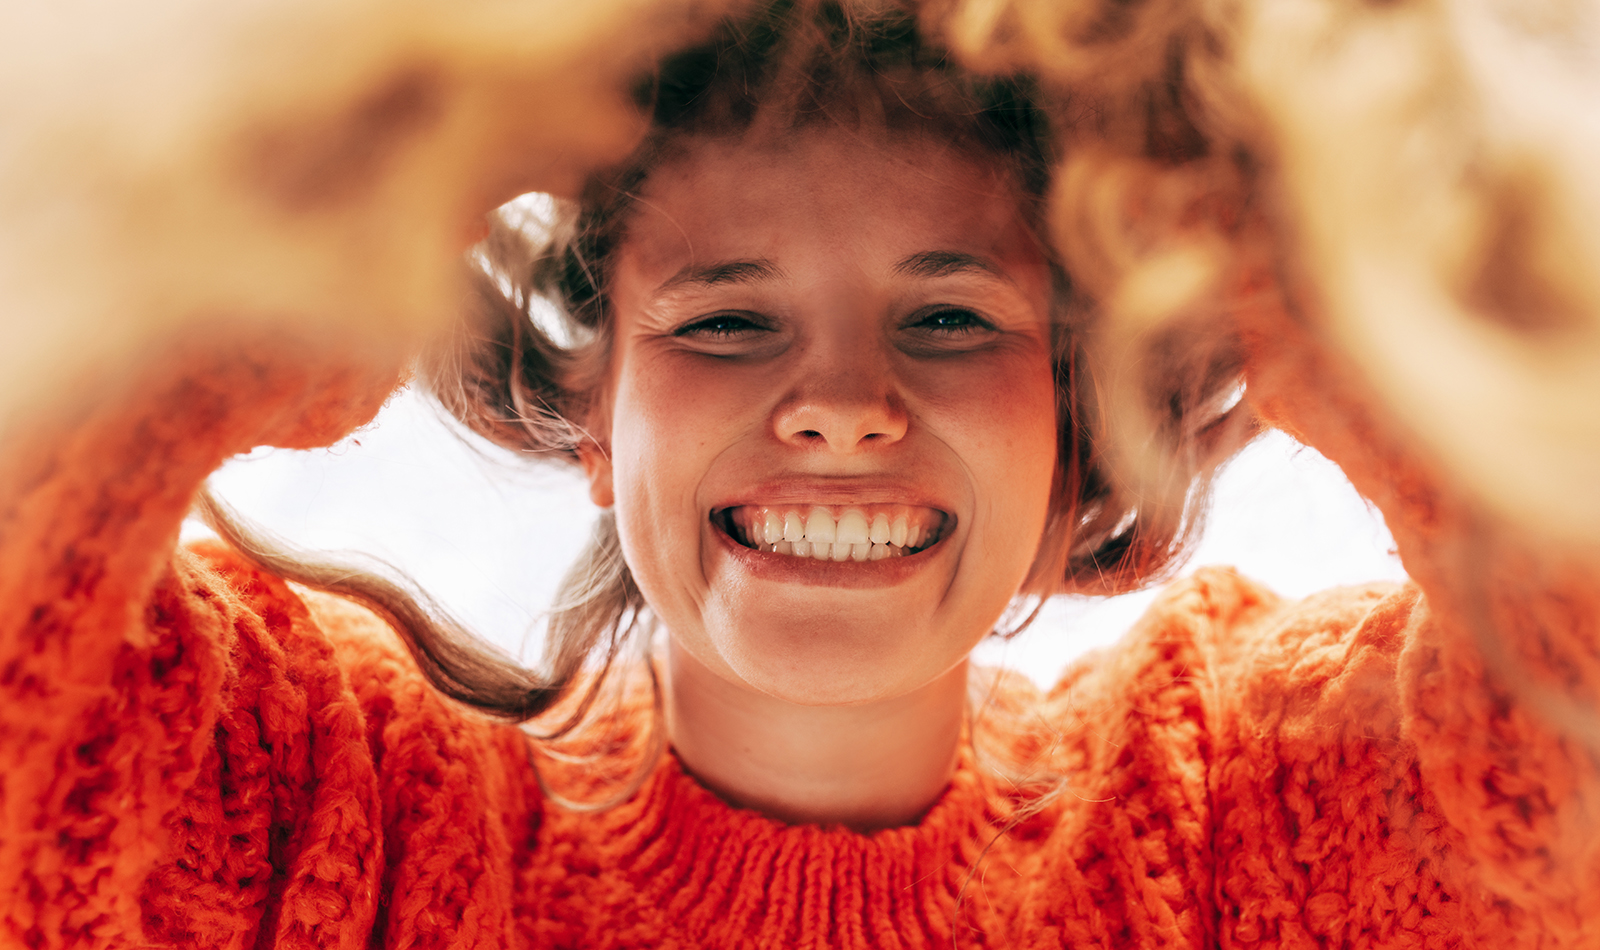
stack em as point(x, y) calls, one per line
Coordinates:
point(856, 533)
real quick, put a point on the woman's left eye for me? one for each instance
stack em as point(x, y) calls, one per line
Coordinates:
point(951, 321)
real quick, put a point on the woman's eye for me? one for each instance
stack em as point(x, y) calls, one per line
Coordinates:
point(951, 321)
point(719, 326)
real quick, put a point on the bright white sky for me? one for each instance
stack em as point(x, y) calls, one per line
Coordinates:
point(490, 536)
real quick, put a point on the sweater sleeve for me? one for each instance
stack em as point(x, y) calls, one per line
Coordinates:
point(1324, 831)
point(1419, 760)
point(185, 778)
point(187, 754)
point(183, 754)
point(1345, 770)
point(1501, 710)
point(1373, 779)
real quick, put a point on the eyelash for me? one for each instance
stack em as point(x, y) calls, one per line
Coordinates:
point(973, 324)
point(717, 326)
point(727, 326)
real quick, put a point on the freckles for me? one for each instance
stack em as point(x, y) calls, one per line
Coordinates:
point(676, 414)
point(1009, 401)
point(1013, 437)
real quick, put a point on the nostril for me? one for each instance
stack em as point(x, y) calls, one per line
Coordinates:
point(811, 434)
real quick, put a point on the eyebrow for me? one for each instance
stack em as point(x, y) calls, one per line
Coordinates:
point(746, 271)
point(927, 265)
point(932, 264)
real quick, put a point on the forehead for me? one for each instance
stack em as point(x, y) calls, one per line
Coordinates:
point(825, 190)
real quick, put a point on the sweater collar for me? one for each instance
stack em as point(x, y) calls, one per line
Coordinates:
point(677, 859)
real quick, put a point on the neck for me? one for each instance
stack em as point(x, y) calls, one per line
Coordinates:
point(868, 766)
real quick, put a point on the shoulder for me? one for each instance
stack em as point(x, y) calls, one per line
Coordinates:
point(1220, 624)
point(1195, 626)
point(365, 646)
point(311, 657)
point(1326, 659)
point(1238, 682)
point(285, 761)
point(284, 631)
point(1228, 727)
point(449, 792)
point(1229, 620)
point(318, 636)
point(1218, 653)
point(273, 640)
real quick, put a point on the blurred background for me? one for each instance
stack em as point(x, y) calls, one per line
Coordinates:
point(490, 535)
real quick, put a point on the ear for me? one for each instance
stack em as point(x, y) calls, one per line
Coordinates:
point(596, 462)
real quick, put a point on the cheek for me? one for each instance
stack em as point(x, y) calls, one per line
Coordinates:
point(674, 414)
point(683, 397)
point(668, 427)
point(1018, 464)
point(657, 436)
point(654, 446)
point(1022, 420)
point(1000, 420)
point(1000, 417)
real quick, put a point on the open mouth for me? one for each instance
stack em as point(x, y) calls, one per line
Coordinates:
point(834, 532)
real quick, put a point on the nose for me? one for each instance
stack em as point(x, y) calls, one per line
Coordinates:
point(844, 408)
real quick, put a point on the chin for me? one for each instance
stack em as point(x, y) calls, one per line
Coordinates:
point(832, 657)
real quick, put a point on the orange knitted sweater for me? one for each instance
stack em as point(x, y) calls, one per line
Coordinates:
point(194, 754)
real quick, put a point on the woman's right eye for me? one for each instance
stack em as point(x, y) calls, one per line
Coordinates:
point(720, 326)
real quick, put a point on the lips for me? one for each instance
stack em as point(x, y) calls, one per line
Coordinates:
point(834, 532)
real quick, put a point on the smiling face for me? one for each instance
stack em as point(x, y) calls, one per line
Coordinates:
point(831, 432)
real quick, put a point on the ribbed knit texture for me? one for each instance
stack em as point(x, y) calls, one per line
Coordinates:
point(195, 755)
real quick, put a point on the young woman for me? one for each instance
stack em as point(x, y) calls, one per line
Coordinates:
point(822, 367)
